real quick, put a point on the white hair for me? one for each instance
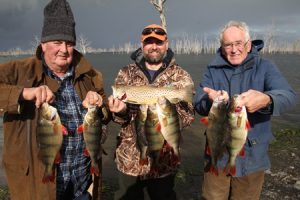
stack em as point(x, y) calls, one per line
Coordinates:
point(238, 24)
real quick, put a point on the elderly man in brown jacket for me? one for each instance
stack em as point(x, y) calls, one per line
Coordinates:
point(61, 76)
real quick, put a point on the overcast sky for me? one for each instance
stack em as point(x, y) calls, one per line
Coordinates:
point(108, 23)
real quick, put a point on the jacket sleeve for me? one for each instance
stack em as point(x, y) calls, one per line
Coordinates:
point(201, 101)
point(283, 96)
point(185, 110)
point(99, 87)
point(10, 90)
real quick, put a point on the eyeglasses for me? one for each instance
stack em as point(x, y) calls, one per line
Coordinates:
point(158, 31)
point(237, 44)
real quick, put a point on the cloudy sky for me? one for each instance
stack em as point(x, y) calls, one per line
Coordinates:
point(108, 23)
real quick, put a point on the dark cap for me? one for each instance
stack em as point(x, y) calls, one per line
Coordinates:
point(59, 22)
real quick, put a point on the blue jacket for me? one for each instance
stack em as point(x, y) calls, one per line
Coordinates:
point(254, 73)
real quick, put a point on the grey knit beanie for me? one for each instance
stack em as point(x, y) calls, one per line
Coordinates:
point(59, 22)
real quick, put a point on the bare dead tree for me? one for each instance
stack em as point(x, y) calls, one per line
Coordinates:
point(34, 44)
point(83, 44)
point(159, 6)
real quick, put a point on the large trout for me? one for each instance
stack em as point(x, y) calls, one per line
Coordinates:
point(92, 133)
point(49, 136)
point(149, 94)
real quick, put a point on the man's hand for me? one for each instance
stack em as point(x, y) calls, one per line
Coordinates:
point(39, 94)
point(213, 94)
point(116, 105)
point(92, 99)
point(254, 100)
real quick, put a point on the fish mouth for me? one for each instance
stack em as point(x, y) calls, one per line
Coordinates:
point(238, 109)
point(123, 97)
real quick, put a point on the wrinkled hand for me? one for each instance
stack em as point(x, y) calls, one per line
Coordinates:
point(254, 100)
point(116, 105)
point(213, 94)
point(92, 99)
point(39, 94)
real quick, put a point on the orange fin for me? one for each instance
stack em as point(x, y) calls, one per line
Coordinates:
point(242, 152)
point(213, 170)
point(64, 130)
point(57, 159)
point(204, 120)
point(49, 178)
point(94, 170)
point(143, 161)
point(248, 125)
point(207, 150)
point(80, 129)
point(230, 170)
point(158, 127)
point(86, 153)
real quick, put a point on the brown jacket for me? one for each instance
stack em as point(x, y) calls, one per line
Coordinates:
point(127, 152)
point(24, 171)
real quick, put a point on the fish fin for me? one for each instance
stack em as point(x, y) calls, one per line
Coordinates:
point(86, 153)
point(94, 170)
point(143, 161)
point(188, 93)
point(47, 178)
point(204, 120)
point(80, 129)
point(64, 130)
point(242, 152)
point(213, 170)
point(230, 170)
point(248, 125)
point(57, 159)
point(207, 150)
point(158, 127)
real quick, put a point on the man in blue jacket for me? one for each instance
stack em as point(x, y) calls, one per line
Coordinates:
point(238, 69)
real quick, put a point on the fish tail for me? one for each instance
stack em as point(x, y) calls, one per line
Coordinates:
point(143, 161)
point(230, 170)
point(188, 94)
point(49, 177)
point(95, 170)
point(213, 170)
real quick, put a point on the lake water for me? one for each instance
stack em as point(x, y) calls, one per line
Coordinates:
point(192, 148)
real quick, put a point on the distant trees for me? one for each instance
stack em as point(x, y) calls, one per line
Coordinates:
point(83, 44)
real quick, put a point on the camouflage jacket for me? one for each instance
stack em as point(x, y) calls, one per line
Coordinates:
point(127, 152)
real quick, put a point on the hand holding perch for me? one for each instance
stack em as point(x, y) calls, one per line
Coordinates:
point(92, 99)
point(116, 105)
point(254, 100)
point(39, 94)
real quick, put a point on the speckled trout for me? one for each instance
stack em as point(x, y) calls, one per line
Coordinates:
point(149, 94)
point(49, 136)
point(239, 126)
point(92, 133)
point(217, 133)
point(170, 125)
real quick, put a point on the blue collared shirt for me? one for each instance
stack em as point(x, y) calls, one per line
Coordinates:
point(74, 167)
